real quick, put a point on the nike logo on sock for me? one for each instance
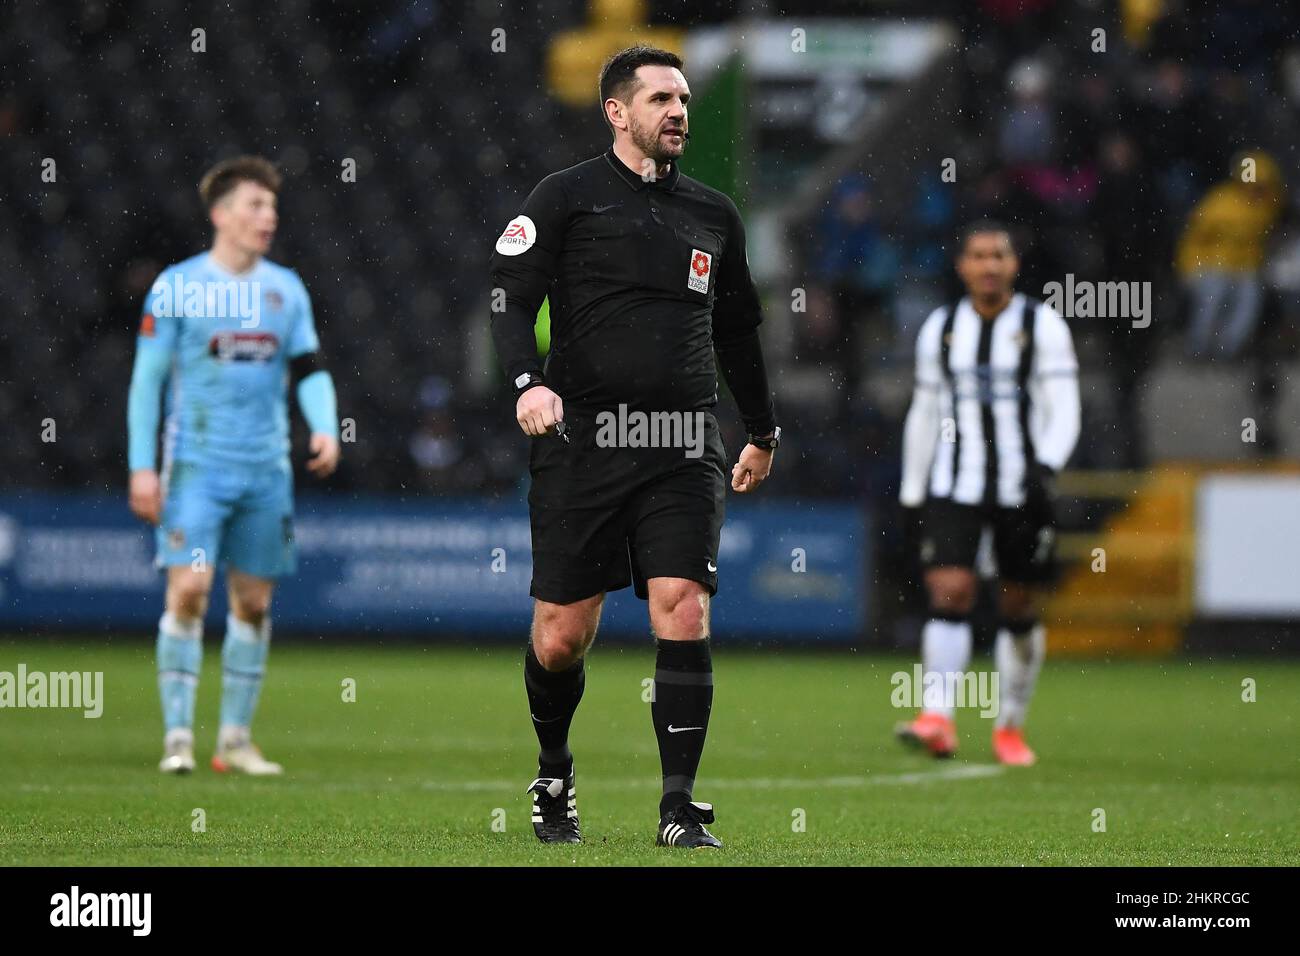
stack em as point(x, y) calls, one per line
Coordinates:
point(678, 730)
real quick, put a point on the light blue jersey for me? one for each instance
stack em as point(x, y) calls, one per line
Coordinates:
point(222, 345)
point(225, 342)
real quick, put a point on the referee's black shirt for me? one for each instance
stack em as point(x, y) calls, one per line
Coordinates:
point(646, 280)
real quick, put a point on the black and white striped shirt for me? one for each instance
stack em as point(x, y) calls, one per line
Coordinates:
point(991, 396)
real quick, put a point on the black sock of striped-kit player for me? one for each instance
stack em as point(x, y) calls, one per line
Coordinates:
point(683, 697)
point(553, 698)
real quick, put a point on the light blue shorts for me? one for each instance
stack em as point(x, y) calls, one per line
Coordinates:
point(239, 516)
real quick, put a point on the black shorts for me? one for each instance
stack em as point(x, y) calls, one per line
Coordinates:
point(1024, 542)
point(606, 517)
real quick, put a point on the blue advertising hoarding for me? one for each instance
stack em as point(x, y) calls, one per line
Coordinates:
point(787, 570)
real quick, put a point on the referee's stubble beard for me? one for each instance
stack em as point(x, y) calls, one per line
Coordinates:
point(654, 144)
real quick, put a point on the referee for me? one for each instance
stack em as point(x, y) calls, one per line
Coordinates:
point(648, 280)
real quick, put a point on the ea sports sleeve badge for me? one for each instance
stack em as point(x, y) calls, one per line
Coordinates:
point(518, 238)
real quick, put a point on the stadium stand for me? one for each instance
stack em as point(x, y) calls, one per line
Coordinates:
point(1099, 157)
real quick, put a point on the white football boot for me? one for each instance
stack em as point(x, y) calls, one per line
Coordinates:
point(178, 753)
point(245, 758)
point(236, 753)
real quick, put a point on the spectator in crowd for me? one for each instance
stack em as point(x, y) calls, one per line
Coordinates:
point(858, 265)
point(437, 447)
point(1169, 126)
point(1221, 252)
point(1027, 132)
point(1135, 246)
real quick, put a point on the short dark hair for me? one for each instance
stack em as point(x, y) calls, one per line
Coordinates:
point(618, 76)
point(981, 227)
point(229, 173)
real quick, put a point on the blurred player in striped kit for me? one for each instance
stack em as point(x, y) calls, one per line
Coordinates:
point(225, 330)
point(994, 417)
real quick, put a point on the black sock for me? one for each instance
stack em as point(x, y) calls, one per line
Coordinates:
point(552, 700)
point(680, 710)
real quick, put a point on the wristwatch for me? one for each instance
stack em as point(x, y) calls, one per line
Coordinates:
point(767, 444)
point(526, 381)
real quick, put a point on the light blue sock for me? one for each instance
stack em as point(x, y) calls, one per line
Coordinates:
point(180, 654)
point(243, 661)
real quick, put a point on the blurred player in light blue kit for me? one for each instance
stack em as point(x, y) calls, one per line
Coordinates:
point(225, 331)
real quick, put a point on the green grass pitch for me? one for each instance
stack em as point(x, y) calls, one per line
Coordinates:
point(437, 748)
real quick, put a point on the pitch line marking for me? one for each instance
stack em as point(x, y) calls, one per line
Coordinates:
point(965, 772)
point(968, 772)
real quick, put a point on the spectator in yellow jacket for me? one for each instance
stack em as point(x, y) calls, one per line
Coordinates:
point(1221, 252)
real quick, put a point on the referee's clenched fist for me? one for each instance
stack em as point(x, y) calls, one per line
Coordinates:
point(752, 469)
point(537, 411)
point(650, 297)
